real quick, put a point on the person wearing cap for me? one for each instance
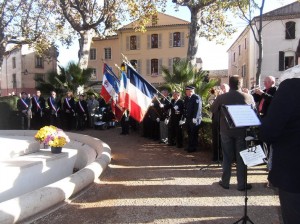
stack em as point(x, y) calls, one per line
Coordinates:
point(68, 108)
point(24, 107)
point(232, 139)
point(193, 117)
point(82, 112)
point(38, 110)
point(175, 136)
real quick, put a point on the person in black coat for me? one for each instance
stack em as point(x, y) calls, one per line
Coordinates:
point(264, 97)
point(68, 108)
point(82, 112)
point(54, 104)
point(175, 135)
point(281, 129)
point(38, 110)
point(193, 116)
point(24, 108)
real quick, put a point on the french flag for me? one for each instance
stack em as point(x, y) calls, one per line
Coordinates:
point(139, 94)
point(110, 84)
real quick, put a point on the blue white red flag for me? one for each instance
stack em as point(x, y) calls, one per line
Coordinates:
point(110, 84)
point(110, 91)
point(123, 101)
point(139, 94)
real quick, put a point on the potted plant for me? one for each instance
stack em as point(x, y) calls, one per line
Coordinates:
point(52, 136)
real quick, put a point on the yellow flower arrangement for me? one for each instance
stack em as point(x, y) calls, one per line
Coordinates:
point(52, 136)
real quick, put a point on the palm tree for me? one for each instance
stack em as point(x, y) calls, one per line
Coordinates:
point(183, 74)
point(71, 78)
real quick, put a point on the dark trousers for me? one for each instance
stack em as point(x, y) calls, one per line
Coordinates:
point(290, 207)
point(125, 125)
point(192, 131)
point(37, 121)
point(175, 135)
point(25, 122)
point(231, 147)
point(81, 121)
point(69, 121)
point(55, 120)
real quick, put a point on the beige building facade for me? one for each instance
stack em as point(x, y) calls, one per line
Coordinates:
point(281, 46)
point(21, 65)
point(165, 41)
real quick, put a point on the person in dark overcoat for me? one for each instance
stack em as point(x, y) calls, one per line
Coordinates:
point(82, 113)
point(38, 103)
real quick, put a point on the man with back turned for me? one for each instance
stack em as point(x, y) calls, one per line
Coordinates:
point(232, 140)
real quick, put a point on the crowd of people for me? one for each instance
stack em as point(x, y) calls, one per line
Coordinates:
point(67, 113)
point(278, 110)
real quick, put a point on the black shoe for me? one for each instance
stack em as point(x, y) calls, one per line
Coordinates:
point(249, 186)
point(222, 185)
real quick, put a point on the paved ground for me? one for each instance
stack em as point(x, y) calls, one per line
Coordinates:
point(148, 182)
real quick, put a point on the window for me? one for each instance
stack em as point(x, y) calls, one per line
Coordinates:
point(93, 76)
point(107, 53)
point(134, 63)
point(290, 30)
point(239, 49)
point(176, 39)
point(286, 60)
point(14, 62)
point(92, 54)
point(14, 81)
point(245, 43)
point(39, 62)
point(243, 70)
point(154, 41)
point(234, 57)
point(154, 67)
point(133, 42)
point(154, 20)
point(38, 79)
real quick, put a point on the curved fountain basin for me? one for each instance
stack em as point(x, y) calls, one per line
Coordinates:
point(92, 157)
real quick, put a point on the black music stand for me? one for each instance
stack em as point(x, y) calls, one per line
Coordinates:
point(242, 116)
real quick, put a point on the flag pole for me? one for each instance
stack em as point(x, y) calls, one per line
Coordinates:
point(127, 62)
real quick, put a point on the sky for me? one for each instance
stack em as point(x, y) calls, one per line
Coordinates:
point(214, 56)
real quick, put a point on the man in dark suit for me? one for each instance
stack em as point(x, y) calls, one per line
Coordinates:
point(281, 129)
point(38, 110)
point(54, 104)
point(82, 112)
point(232, 140)
point(193, 116)
point(68, 108)
point(264, 97)
point(24, 108)
point(176, 107)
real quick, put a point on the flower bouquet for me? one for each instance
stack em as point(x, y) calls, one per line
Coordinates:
point(52, 136)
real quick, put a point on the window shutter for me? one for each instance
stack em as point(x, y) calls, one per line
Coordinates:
point(159, 40)
point(148, 67)
point(139, 66)
point(182, 39)
point(170, 65)
point(127, 43)
point(159, 66)
point(171, 40)
point(148, 41)
point(290, 28)
point(281, 60)
point(138, 42)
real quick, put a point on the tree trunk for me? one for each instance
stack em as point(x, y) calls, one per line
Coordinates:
point(84, 47)
point(194, 35)
point(259, 60)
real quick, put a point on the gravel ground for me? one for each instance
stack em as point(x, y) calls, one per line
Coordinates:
point(148, 182)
